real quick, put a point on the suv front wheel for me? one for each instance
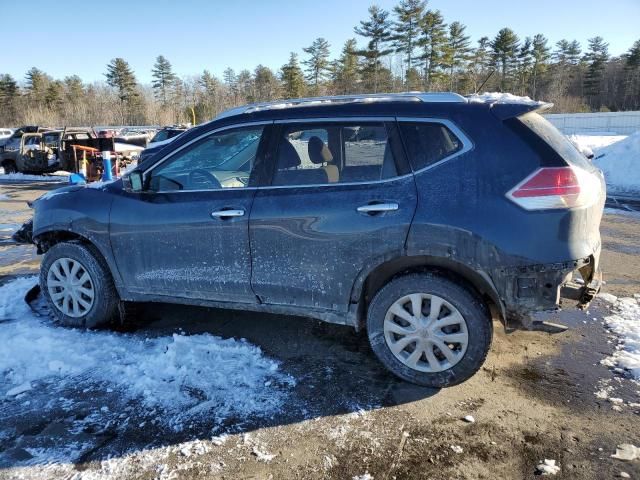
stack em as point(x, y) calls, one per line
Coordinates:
point(429, 330)
point(77, 284)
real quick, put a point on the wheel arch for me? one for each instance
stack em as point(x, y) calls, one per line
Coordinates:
point(47, 239)
point(371, 280)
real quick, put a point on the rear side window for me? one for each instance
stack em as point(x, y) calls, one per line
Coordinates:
point(554, 139)
point(428, 143)
point(317, 154)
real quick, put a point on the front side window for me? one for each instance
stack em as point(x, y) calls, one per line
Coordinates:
point(317, 154)
point(428, 142)
point(221, 160)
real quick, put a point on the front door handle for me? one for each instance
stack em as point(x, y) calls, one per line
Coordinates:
point(378, 207)
point(228, 213)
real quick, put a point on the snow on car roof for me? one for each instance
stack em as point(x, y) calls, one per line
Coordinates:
point(444, 97)
point(499, 97)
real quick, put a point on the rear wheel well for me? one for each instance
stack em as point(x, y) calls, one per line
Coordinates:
point(459, 273)
point(8, 163)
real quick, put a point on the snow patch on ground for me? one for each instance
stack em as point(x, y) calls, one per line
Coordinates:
point(618, 156)
point(625, 324)
point(186, 375)
point(588, 143)
point(57, 177)
point(620, 163)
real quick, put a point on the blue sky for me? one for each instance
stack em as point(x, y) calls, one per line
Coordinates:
point(81, 37)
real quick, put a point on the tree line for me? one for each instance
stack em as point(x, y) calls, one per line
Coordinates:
point(410, 48)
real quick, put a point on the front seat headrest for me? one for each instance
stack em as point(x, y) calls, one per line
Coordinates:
point(318, 151)
point(287, 155)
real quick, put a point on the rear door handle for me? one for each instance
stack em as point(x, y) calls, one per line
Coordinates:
point(378, 207)
point(228, 213)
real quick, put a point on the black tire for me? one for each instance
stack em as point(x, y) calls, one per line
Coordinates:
point(105, 304)
point(473, 309)
point(9, 166)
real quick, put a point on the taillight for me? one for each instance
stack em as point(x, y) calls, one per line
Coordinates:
point(556, 187)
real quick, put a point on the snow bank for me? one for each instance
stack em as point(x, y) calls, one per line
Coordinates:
point(40, 178)
point(625, 324)
point(182, 374)
point(498, 97)
point(588, 143)
point(620, 163)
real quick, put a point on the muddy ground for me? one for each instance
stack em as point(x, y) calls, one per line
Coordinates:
point(346, 416)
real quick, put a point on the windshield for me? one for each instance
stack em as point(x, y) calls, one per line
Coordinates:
point(160, 136)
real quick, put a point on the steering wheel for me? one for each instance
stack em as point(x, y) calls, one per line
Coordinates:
point(196, 177)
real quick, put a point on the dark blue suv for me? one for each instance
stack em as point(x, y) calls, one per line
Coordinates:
point(418, 217)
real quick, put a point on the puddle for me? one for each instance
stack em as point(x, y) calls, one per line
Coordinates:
point(18, 259)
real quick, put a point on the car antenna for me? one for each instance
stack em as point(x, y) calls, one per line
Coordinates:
point(485, 81)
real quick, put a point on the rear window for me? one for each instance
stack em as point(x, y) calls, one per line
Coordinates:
point(554, 139)
point(428, 143)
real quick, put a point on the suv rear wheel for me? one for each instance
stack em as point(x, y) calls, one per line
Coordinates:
point(429, 330)
point(77, 284)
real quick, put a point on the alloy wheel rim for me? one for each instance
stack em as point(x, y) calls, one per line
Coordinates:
point(425, 332)
point(70, 287)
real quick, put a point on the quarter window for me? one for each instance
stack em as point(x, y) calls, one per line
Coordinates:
point(428, 143)
point(333, 153)
point(221, 160)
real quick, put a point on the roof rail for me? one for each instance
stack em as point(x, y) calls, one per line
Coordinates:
point(435, 97)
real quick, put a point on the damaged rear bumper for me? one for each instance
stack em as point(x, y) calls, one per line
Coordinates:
point(532, 290)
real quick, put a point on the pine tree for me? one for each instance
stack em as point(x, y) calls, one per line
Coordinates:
point(266, 84)
point(456, 52)
point(632, 77)
point(540, 52)
point(433, 41)
point(525, 61)
point(8, 98)
point(573, 53)
point(318, 63)
point(74, 88)
point(163, 79)
point(245, 86)
point(231, 81)
point(54, 95)
point(209, 83)
point(120, 76)
point(596, 57)
point(208, 106)
point(36, 85)
point(378, 30)
point(292, 78)
point(346, 68)
point(406, 29)
point(505, 52)
point(479, 64)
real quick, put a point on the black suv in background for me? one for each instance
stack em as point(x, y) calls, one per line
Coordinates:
point(417, 217)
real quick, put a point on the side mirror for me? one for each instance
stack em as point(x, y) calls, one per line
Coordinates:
point(135, 182)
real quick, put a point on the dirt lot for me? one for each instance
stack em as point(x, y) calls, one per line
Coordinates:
point(345, 416)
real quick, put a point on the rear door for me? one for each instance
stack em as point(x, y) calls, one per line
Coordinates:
point(341, 199)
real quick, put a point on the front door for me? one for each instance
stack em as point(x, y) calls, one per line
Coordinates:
point(187, 234)
point(341, 199)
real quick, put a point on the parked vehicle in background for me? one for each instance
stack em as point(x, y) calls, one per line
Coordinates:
point(47, 151)
point(165, 135)
point(5, 133)
point(50, 150)
point(135, 136)
point(13, 145)
point(417, 217)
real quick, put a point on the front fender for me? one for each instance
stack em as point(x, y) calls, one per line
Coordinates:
point(77, 211)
